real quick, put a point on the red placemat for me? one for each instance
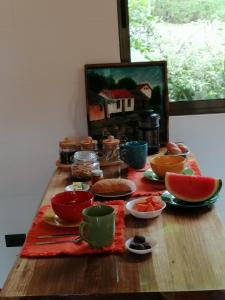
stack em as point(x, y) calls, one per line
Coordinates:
point(39, 227)
point(145, 187)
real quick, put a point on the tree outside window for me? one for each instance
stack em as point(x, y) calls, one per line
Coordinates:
point(190, 35)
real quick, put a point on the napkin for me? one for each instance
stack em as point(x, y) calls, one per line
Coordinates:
point(39, 227)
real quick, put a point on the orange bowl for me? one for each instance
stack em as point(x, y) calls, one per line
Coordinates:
point(167, 163)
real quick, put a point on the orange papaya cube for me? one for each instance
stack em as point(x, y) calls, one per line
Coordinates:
point(140, 207)
point(157, 206)
point(150, 207)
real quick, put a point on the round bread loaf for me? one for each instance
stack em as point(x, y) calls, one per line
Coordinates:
point(113, 186)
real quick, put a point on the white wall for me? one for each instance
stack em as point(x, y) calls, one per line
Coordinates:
point(44, 45)
point(204, 134)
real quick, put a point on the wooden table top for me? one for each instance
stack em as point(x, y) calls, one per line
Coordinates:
point(190, 256)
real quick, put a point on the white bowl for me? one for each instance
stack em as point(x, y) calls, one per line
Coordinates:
point(70, 188)
point(144, 215)
point(141, 252)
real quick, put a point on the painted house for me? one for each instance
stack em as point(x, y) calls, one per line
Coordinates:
point(117, 101)
point(96, 107)
point(146, 89)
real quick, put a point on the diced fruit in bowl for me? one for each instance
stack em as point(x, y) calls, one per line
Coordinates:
point(192, 188)
point(146, 207)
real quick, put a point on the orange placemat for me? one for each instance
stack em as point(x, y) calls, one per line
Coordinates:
point(39, 227)
point(145, 187)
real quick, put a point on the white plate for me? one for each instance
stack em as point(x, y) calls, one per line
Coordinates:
point(144, 215)
point(141, 252)
point(70, 188)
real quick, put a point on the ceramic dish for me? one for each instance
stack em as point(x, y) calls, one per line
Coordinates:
point(171, 200)
point(149, 174)
point(143, 215)
point(52, 219)
point(141, 252)
point(184, 154)
point(70, 188)
point(114, 195)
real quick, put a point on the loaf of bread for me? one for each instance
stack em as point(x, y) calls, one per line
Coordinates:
point(113, 186)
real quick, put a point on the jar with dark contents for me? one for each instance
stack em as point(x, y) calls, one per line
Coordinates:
point(89, 144)
point(67, 148)
point(84, 163)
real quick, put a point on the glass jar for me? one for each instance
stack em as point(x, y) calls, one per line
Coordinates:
point(89, 144)
point(110, 147)
point(67, 148)
point(84, 163)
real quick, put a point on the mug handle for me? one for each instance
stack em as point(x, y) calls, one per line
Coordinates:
point(81, 231)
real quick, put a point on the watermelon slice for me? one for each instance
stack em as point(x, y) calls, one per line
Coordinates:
point(193, 188)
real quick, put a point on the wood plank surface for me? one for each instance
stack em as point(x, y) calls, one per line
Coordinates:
point(189, 256)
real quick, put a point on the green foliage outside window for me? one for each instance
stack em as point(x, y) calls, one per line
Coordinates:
point(190, 35)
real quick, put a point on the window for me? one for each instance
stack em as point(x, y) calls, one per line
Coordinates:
point(190, 35)
point(129, 103)
point(118, 104)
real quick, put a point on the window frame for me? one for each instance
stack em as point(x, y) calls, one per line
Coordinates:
point(178, 108)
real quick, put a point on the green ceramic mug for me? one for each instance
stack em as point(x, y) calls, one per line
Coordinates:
point(98, 226)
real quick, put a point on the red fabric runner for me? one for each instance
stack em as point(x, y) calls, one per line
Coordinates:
point(147, 187)
point(39, 227)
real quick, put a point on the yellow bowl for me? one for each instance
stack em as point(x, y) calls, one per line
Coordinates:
point(167, 163)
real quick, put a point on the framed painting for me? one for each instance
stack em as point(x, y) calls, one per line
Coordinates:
point(117, 94)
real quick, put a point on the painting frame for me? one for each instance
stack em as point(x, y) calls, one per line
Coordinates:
point(141, 86)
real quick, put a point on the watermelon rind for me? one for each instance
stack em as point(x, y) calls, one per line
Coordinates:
point(192, 188)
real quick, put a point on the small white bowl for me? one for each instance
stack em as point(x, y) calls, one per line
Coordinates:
point(141, 252)
point(70, 188)
point(143, 215)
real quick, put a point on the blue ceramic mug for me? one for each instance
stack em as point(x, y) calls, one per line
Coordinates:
point(134, 153)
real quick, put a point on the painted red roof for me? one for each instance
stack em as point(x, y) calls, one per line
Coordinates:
point(118, 93)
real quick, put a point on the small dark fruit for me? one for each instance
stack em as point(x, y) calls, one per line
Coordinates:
point(137, 246)
point(139, 239)
point(146, 245)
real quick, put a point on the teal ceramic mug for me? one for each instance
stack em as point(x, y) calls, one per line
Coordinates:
point(98, 226)
point(134, 153)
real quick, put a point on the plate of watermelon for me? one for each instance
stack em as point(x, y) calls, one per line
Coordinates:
point(171, 200)
point(191, 190)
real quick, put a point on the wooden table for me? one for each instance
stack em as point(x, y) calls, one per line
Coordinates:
point(190, 256)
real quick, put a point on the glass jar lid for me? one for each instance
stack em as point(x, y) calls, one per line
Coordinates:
point(67, 143)
point(85, 156)
point(88, 141)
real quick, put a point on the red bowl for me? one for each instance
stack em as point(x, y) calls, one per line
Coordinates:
point(69, 205)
